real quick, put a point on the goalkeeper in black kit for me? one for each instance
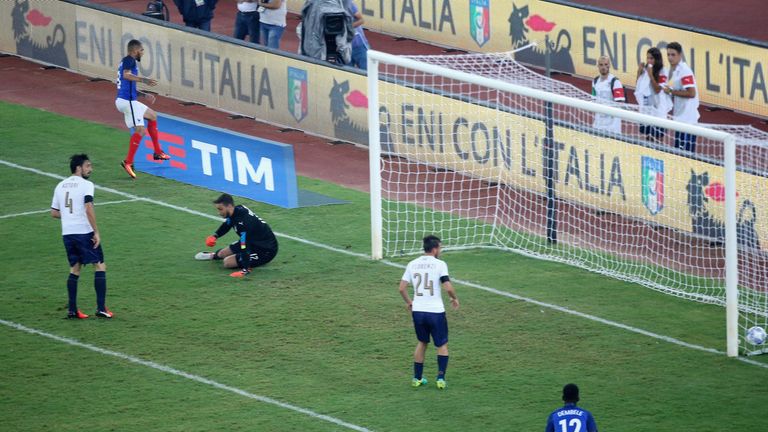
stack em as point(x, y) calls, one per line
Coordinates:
point(256, 245)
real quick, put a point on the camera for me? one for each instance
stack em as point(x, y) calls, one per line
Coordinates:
point(158, 10)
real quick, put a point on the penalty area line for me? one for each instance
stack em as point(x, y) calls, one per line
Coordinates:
point(397, 265)
point(180, 373)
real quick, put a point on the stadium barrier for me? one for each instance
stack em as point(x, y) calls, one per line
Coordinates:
point(603, 172)
point(214, 70)
point(731, 71)
point(223, 161)
point(301, 93)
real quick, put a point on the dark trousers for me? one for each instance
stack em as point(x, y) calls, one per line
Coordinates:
point(201, 24)
point(247, 23)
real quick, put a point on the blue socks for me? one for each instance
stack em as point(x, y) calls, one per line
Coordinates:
point(418, 370)
point(72, 291)
point(100, 284)
point(442, 365)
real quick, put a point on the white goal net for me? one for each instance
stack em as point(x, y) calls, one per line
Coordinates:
point(485, 153)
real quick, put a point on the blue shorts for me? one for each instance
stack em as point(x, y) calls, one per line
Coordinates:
point(80, 249)
point(431, 323)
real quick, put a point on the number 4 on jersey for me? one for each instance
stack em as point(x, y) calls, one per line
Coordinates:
point(68, 202)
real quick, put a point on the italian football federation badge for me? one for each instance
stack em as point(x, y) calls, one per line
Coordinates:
point(298, 103)
point(480, 20)
point(653, 184)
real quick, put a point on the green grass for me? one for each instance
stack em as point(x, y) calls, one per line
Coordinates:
point(320, 329)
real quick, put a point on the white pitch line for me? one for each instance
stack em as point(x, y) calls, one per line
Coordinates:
point(393, 264)
point(48, 210)
point(187, 375)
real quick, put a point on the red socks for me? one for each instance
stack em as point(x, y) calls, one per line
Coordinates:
point(152, 129)
point(134, 145)
point(136, 140)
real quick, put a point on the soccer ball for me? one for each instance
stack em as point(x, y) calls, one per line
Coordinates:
point(756, 335)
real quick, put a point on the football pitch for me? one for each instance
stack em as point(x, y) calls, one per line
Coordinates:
point(319, 339)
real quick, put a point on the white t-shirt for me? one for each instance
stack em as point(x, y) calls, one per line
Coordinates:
point(274, 16)
point(69, 199)
point(248, 6)
point(424, 274)
point(684, 109)
point(652, 103)
point(602, 90)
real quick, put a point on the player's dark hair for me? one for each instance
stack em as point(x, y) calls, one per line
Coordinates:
point(431, 242)
point(225, 199)
point(570, 393)
point(133, 43)
point(76, 161)
point(675, 46)
point(658, 62)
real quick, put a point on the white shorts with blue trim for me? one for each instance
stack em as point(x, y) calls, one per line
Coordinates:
point(133, 111)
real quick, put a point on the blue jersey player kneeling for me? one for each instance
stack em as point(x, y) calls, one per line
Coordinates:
point(571, 418)
point(256, 245)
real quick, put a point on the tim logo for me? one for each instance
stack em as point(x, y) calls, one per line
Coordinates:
point(519, 25)
point(653, 184)
point(34, 38)
point(298, 103)
point(480, 21)
point(210, 160)
point(173, 145)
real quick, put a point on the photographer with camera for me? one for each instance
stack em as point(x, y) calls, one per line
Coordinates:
point(360, 44)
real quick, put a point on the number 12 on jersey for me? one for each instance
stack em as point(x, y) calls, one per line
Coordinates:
point(575, 425)
point(421, 283)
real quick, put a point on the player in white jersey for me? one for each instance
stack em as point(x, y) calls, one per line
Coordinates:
point(427, 274)
point(73, 204)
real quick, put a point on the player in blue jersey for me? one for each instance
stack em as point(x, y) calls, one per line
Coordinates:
point(136, 112)
point(571, 418)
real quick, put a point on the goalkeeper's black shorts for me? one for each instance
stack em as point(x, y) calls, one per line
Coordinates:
point(258, 256)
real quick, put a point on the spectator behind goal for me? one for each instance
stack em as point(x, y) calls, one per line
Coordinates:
point(606, 87)
point(685, 97)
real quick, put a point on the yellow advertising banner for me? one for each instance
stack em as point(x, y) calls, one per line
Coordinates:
point(613, 175)
point(662, 188)
point(286, 90)
point(729, 73)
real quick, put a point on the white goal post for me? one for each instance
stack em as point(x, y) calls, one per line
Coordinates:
point(470, 200)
